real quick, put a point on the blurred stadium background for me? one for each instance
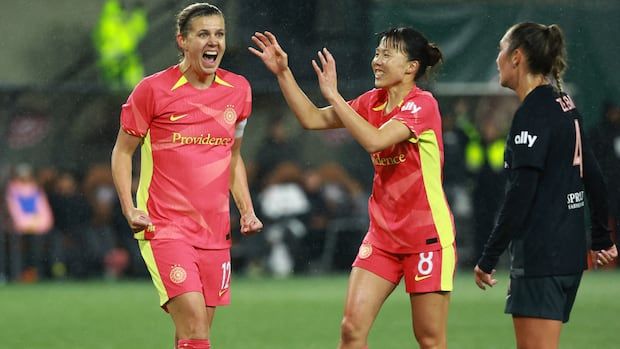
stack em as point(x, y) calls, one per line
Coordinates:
point(68, 65)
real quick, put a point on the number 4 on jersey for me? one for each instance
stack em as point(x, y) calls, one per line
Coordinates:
point(577, 158)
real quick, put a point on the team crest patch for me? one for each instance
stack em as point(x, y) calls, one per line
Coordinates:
point(230, 115)
point(178, 274)
point(365, 251)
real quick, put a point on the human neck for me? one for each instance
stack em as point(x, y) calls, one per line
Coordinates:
point(396, 94)
point(528, 83)
point(197, 79)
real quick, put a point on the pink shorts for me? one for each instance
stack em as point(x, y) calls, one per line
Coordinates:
point(431, 271)
point(177, 267)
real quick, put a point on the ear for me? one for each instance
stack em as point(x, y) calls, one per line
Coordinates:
point(181, 42)
point(412, 67)
point(517, 57)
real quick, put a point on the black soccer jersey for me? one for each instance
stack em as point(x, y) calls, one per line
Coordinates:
point(543, 215)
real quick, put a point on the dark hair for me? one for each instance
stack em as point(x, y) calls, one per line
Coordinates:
point(414, 45)
point(544, 47)
point(198, 9)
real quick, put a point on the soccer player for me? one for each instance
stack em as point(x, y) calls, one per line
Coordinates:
point(411, 231)
point(549, 165)
point(189, 120)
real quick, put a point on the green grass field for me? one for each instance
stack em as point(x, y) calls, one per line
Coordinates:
point(267, 313)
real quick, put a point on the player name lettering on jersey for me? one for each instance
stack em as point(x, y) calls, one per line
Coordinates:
point(575, 200)
point(411, 106)
point(525, 138)
point(389, 160)
point(204, 140)
point(566, 102)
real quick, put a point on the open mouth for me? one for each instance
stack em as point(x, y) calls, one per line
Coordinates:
point(209, 56)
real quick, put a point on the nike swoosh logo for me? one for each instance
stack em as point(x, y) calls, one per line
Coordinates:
point(222, 292)
point(177, 117)
point(420, 278)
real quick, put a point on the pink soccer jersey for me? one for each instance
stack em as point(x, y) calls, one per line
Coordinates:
point(188, 135)
point(408, 209)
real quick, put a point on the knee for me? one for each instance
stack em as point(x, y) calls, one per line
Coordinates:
point(193, 326)
point(351, 331)
point(430, 341)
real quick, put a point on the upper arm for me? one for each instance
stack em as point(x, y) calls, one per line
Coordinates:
point(236, 147)
point(126, 143)
point(328, 119)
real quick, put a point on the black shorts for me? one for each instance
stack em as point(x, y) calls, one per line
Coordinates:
point(547, 297)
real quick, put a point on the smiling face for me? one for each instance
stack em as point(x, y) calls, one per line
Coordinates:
point(203, 46)
point(391, 66)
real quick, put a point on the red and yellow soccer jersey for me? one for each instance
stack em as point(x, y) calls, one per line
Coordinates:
point(408, 209)
point(187, 140)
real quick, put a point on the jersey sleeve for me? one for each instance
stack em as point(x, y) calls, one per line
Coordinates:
point(360, 105)
point(247, 104)
point(529, 138)
point(137, 112)
point(418, 115)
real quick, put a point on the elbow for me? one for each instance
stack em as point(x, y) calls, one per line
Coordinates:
point(306, 125)
point(373, 147)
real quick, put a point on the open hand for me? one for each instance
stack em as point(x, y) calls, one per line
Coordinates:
point(326, 73)
point(270, 52)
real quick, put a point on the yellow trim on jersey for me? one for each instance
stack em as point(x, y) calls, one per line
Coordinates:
point(222, 82)
point(149, 259)
point(430, 160)
point(448, 264)
point(380, 107)
point(182, 81)
point(146, 174)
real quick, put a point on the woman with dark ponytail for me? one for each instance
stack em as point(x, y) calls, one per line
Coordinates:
point(411, 231)
point(549, 166)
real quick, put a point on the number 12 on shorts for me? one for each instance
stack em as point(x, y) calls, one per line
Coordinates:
point(226, 271)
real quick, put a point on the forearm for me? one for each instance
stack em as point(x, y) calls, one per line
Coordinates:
point(598, 199)
point(122, 176)
point(309, 116)
point(367, 135)
point(512, 216)
point(239, 187)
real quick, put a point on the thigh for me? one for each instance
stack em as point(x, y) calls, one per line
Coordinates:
point(431, 271)
point(173, 265)
point(536, 333)
point(190, 315)
point(215, 275)
point(429, 316)
point(366, 294)
point(547, 297)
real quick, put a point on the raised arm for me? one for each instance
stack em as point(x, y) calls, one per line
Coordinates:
point(371, 138)
point(121, 173)
point(276, 60)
